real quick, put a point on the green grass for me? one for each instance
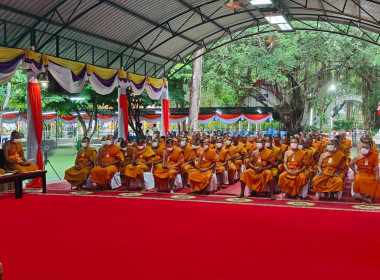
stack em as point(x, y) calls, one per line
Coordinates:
point(63, 159)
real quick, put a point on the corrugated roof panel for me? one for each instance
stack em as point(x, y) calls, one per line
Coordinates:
point(35, 7)
point(185, 22)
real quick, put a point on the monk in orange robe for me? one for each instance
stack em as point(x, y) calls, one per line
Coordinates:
point(232, 150)
point(172, 160)
point(331, 167)
point(84, 162)
point(312, 157)
point(142, 160)
point(367, 177)
point(200, 178)
point(276, 152)
point(283, 145)
point(109, 161)
point(240, 153)
point(14, 155)
point(158, 148)
point(293, 178)
point(222, 163)
point(259, 176)
point(189, 157)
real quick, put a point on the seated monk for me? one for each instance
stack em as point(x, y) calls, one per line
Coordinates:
point(276, 151)
point(367, 178)
point(158, 148)
point(103, 141)
point(331, 167)
point(283, 144)
point(259, 175)
point(231, 163)
point(313, 157)
point(14, 155)
point(189, 158)
point(172, 160)
point(200, 178)
point(108, 163)
point(142, 159)
point(293, 179)
point(84, 162)
point(240, 153)
point(222, 163)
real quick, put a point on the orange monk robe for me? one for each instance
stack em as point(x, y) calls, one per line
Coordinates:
point(250, 147)
point(127, 158)
point(232, 150)
point(326, 182)
point(16, 153)
point(258, 181)
point(313, 166)
point(344, 148)
point(161, 175)
point(365, 181)
point(76, 177)
point(223, 156)
point(283, 148)
point(2, 171)
point(318, 145)
point(241, 151)
point(201, 179)
point(141, 156)
point(212, 146)
point(292, 184)
point(310, 161)
point(276, 151)
point(159, 151)
point(189, 155)
point(101, 175)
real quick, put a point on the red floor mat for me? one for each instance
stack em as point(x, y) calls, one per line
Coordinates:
point(67, 237)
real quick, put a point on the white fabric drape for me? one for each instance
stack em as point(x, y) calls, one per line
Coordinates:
point(99, 87)
point(7, 76)
point(228, 121)
point(64, 77)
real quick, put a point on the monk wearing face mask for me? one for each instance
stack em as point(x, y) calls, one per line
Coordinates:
point(172, 161)
point(331, 165)
point(142, 159)
point(84, 162)
point(189, 155)
point(367, 178)
point(222, 163)
point(293, 178)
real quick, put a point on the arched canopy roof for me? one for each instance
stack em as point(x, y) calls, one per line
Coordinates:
point(148, 37)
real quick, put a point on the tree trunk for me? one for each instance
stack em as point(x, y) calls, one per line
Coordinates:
point(195, 92)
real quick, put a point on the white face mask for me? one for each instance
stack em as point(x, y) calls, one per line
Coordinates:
point(170, 149)
point(130, 144)
point(84, 144)
point(109, 142)
point(259, 145)
point(313, 140)
point(16, 140)
point(219, 145)
point(364, 151)
point(205, 146)
point(103, 142)
point(228, 142)
point(293, 146)
point(154, 136)
point(330, 148)
point(267, 145)
point(195, 146)
point(140, 147)
point(154, 144)
point(124, 149)
point(183, 143)
point(300, 147)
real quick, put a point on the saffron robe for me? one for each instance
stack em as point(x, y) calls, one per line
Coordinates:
point(240, 151)
point(231, 166)
point(201, 179)
point(258, 181)
point(365, 181)
point(161, 175)
point(189, 154)
point(276, 157)
point(16, 153)
point(331, 164)
point(76, 177)
point(292, 184)
point(141, 156)
point(101, 175)
point(223, 156)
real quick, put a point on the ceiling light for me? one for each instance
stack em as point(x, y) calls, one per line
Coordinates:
point(276, 19)
point(261, 2)
point(285, 26)
point(218, 112)
point(259, 111)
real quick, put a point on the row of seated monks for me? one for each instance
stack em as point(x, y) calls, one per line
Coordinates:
point(259, 162)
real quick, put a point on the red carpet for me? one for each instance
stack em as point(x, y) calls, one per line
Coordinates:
point(67, 237)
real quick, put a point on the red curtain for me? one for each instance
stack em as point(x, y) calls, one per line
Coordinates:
point(124, 106)
point(34, 94)
point(165, 114)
